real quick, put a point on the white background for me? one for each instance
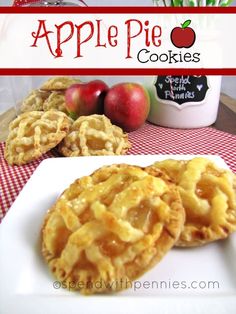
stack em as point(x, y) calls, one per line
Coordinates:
point(214, 41)
point(228, 83)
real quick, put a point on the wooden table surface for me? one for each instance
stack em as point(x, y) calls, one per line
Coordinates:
point(226, 119)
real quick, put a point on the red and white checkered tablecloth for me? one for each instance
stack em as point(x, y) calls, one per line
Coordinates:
point(149, 139)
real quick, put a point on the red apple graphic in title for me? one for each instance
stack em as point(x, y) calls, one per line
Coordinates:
point(184, 36)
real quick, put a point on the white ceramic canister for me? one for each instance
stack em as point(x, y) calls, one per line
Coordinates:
point(184, 101)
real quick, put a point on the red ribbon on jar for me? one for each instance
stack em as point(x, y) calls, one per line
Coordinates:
point(19, 3)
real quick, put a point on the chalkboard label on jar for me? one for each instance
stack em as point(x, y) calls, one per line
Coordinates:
point(182, 89)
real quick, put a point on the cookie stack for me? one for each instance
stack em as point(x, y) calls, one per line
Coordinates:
point(51, 95)
point(109, 228)
point(44, 123)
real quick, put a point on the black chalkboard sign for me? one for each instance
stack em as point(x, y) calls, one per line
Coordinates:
point(182, 89)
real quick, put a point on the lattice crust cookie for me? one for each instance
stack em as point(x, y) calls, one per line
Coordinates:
point(209, 198)
point(94, 135)
point(56, 100)
point(109, 228)
point(59, 83)
point(34, 133)
point(34, 101)
point(49, 96)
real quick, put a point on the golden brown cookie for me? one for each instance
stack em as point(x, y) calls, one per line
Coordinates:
point(109, 228)
point(208, 194)
point(34, 101)
point(59, 83)
point(34, 133)
point(56, 100)
point(92, 136)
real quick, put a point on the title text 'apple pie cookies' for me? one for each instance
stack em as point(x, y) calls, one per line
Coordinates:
point(92, 136)
point(34, 133)
point(111, 227)
point(209, 198)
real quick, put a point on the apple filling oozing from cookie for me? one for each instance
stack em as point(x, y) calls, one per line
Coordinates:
point(115, 224)
point(208, 194)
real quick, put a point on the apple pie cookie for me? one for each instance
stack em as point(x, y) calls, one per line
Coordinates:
point(94, 135)
point(56, 100)
point(59, 83)
point(34, 101)
point(34, 133)
point(51, 95)
point(209, 198)
point(110, 227)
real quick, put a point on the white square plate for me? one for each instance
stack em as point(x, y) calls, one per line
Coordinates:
point(186, 280)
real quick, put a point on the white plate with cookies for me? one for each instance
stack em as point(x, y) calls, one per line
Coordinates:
point(151, 248)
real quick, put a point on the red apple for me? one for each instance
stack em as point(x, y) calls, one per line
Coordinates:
point(127, 105)
point(184, 36)
point(83, 99)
